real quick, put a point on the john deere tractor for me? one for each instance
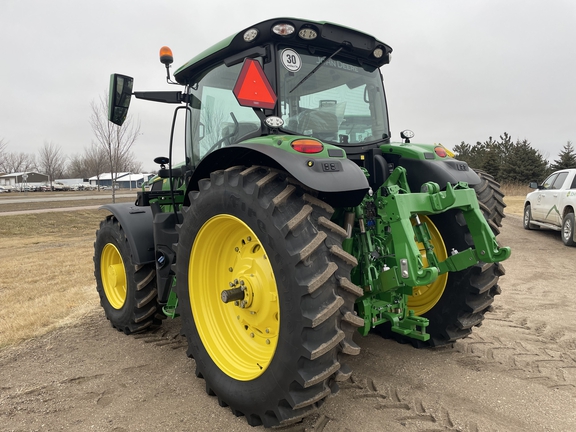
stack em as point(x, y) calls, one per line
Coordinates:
point(294, 225)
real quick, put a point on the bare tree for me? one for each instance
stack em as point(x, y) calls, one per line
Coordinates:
point(115, 140)
point(95, 161)
point(18, 162)
point(76, 167)
point(3, 145)
point(51, 161)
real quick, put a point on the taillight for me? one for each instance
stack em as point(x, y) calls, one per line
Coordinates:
point(440, 151)
point(307, 146)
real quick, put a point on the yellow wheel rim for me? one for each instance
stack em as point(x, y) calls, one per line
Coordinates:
point(240, 336)
point(113, 276)
point(426, 296)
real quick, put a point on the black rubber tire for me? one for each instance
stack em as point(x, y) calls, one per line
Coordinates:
point(568, 229)
point(490, 199)
point(527, 218)
point(469, 293)
point(315, 295)
point(140, 310)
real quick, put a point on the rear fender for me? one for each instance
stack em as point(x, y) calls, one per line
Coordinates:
point(338, 181)
point(423, 165)
point(137, 225)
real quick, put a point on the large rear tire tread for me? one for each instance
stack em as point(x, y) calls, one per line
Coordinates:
point(141, 311)
point(317, 319)
point(491, 199)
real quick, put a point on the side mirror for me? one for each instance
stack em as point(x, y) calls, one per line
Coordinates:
point(533, 185)
point(119, 98)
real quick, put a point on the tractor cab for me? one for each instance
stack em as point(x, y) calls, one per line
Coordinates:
point(286, 77)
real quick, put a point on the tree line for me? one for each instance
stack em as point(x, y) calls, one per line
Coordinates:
point(109, 152)
point(510, 161)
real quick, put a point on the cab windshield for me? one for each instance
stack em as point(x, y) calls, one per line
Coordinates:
point(341, 102)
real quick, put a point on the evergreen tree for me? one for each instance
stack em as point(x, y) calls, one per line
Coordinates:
point(491, 162)
point(566, 158)
point(523, 164)
point(472, 155)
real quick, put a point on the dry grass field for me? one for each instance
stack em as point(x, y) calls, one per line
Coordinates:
point(46, 270)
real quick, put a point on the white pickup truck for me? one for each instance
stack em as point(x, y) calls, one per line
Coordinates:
point(552, 205)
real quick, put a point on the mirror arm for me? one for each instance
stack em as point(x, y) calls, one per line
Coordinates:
point(174, 97)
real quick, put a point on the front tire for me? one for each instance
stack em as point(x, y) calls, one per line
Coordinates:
point(273, 353)
point(456, 302)
point(468, 294)
point(527, 219)
point(568, 229)
point(127, 291)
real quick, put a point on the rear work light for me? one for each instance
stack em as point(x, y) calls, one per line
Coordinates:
point(307, 33)
point(307, 146)
point(250, 35)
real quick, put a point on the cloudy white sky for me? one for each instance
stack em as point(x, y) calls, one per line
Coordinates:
point(462, 70)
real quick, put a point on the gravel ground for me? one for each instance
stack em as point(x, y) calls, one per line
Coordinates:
point(517, 372)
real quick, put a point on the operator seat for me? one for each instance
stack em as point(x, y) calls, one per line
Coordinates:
point(320, 124)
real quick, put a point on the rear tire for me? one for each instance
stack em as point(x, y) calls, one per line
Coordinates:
point(491, 200)
point(127, 292)
point(568, 229)
point(277, 358)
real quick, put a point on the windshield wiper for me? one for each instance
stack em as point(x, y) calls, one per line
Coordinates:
point(313, 71)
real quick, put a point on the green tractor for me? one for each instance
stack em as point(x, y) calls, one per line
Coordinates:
point(294, 222)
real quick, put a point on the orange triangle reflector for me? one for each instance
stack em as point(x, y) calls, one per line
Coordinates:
point(252, 88)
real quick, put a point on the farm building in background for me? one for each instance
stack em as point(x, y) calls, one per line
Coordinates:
point(22, 178)
point(124, 180)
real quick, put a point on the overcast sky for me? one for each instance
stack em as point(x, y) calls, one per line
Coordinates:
point(461, 70)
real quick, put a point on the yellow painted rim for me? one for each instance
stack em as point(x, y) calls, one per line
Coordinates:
point(426, 296)
point(241, 338)
point(113, 275)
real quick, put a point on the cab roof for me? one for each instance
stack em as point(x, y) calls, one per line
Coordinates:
point(329, 36)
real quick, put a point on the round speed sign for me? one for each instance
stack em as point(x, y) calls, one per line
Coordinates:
point(291, 60)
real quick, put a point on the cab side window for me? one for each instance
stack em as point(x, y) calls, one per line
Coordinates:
point(217, 118)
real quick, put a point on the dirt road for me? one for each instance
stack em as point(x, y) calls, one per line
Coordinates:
point(516, 373)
